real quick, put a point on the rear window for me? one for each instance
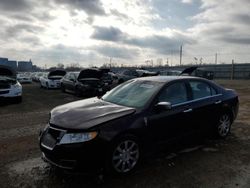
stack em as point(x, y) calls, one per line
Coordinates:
point(201, 89)
point(175, 94)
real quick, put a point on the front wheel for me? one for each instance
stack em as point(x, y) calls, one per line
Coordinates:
point(224, 126)
point(19, 99)
point(47, 85)
point(124, 155)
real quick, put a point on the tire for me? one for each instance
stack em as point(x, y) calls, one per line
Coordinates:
point(19, 99)
point(63, 88)
point(78, 92)
point(223, 126)
point(120, 81)
point(47, 85)
point(124, 155)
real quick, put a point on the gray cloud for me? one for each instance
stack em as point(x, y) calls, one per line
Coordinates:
point(14, 5)
point(117, 52)
point(34, 41)
point(21, 17)
point(161, 44)
point(118, 14)
point(236, 39)
point(108, 34)
point(241, 18)
point(16, 30)
point(91, 7)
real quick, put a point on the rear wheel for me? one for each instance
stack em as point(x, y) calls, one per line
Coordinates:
point(124, 155)
point(47, 85)
point(78, 92)
point(63, 88)
point(224, 125)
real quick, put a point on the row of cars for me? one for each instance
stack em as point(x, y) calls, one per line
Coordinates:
point(87, 82)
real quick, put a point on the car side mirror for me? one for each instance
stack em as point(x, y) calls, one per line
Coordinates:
point(163, 106)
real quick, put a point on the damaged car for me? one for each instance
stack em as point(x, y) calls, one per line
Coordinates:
point(24, 78)
point(9, 86)
point(115, 131)
point(86, 83)
point(52, 80)
point(131, 73)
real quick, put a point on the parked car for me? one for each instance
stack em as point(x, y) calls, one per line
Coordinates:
point(24, 78)
point(9, 85)
point(170, 73)
point(88, 82)
point(52, 79)
point(36, 77)
point(199, 72)
point(110, 78)
point(131, 73)
point(115, 131)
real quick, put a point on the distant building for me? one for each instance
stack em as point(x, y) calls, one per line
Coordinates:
point(25, 65)
point(3, 61)
point(12, 64)
point(6, 62)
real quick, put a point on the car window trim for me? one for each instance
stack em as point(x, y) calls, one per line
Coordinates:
point(195, 100)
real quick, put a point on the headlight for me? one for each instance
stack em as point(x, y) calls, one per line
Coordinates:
point(17, 86)
point(70, 138)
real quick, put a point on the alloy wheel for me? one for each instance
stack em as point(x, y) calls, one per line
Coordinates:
point(224, 125)
point(125, 156)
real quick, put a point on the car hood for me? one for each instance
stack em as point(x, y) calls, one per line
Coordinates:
point(90, 73)
point(85, 114)
point(57, 73)
point(188, 70)
point(7, 71)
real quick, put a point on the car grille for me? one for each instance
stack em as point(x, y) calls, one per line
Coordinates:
point(4, 92)
point(4, 86)
point(51, 137)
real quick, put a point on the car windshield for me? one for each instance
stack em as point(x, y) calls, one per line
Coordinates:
point(135, 93)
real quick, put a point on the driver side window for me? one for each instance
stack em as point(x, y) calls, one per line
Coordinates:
point(175, 93)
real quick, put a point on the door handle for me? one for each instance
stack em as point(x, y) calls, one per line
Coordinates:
point(218, 102)
point(188, 110)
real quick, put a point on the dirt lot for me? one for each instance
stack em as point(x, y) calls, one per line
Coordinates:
point(212, 163)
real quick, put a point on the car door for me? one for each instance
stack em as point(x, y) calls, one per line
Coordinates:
point(175, 123)
point(206, 103)
point(71, 82)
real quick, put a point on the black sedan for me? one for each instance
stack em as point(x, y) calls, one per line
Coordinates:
point(87, 83)
point(115, 131)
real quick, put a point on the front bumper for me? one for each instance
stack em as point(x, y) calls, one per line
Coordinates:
point(55, 86)
point(87, 156)
point(10, 92)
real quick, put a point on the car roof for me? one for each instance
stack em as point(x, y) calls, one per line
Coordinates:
point(166, 79)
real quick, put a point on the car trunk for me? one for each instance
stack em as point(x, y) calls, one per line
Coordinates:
point(56, 74)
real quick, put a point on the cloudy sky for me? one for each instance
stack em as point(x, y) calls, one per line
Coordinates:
point(91, 32)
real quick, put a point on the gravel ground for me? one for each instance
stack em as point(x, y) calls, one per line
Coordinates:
point(209, 163)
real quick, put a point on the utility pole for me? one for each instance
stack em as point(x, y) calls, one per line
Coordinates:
point(171, 60)
point(232, 70)
point(216, 58)
point(180, 54)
